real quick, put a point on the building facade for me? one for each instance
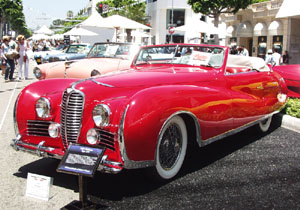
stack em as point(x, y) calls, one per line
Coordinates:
point(159, 14)
point(258, 29)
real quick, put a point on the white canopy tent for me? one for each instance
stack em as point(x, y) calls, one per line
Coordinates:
point(96, 24)
point(289, 8)
point(120, 22)
point(95, 20)
point(80, 32)
point(37, 37)
point(117, 21)
point(44, 30)
point(198, 27)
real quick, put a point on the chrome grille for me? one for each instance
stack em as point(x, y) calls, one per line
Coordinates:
point(37, 128)
point(71, 114)
point(106, 139)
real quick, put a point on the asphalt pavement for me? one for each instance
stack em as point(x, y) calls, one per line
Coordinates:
point(245, 171)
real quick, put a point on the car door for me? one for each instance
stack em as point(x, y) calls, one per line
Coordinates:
point(249, 92)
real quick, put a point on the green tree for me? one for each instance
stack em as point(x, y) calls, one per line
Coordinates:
point(214, 8)
point(11, 11)
point(127, 8)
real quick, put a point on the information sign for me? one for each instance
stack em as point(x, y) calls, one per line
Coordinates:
point(38, 186)
point(67, 40)
point(81, 160)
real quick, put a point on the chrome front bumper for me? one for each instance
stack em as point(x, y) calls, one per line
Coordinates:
point(40, 150)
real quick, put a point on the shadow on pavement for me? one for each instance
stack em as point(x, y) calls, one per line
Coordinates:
point(131, 183)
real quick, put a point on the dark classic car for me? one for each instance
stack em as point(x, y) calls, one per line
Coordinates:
point(102, 58)
point(148, 116)
point(73, 52)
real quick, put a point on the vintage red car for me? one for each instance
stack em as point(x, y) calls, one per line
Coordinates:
point(173, 95)
point(291, 75)
point(102, 58)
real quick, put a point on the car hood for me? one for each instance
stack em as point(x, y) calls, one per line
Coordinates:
point(156, 76)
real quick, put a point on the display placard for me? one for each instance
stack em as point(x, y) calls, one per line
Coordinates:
point(38, 186)
point(81, 160)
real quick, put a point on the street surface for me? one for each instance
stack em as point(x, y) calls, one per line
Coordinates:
point(244, 171)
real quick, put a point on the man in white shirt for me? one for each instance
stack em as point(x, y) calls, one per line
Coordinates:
point(276, 57)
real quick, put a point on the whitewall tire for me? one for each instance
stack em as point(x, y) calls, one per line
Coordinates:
point(264, 125)
point(171, 148)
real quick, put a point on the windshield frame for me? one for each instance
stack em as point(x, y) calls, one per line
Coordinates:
point(113, 51)
point(171, 58)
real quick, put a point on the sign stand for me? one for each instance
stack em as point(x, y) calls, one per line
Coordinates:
point(82, 161)
point(83, 203)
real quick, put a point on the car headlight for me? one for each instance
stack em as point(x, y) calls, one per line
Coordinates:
point(101, 115)
point(95, 73)
point(92, 136)
point(42, 107)
point(37, 72)
point(54, 130)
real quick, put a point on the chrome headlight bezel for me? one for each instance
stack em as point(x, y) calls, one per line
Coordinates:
point(43, 107)
point(54, 130)
point(92, 136)
point(37, 72)
point(101, 115)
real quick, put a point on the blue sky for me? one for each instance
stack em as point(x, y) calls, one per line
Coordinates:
point(43, 12)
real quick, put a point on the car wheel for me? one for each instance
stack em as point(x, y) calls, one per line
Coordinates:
point(171, 148)
point(264, 125)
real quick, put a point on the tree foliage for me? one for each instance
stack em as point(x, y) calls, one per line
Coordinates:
point(127, 8)
point(11, 11)
point(213, 8)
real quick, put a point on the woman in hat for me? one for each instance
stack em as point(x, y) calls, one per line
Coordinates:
point(23, 60)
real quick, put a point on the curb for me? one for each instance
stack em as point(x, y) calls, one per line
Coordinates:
point(291, 123)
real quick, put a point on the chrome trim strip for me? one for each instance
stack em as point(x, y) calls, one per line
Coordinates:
point(237, 130)
point(16, 127)
point(197, 126)
point(100, 83)
point(78, 82)
point(129, 164)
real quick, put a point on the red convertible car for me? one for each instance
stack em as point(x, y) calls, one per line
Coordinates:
point(291, 75)
point(102, 58)
point(147, 116)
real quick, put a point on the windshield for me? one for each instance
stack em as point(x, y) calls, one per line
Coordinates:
point(78, 49)
point(195, 55)
point(113, 50)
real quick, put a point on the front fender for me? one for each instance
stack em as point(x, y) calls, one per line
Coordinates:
point(149, 109)
point(25, 107)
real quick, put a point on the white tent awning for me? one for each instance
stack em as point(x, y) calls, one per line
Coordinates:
point(198, 27)
point(95, 20)
point(118, 21)
point(289, 8)
point(80, 32)
point(44, 30)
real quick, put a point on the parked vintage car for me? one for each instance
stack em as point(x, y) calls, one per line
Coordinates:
point(38, 56)
point(73, 52)
point(147, 116)
point(102, 58)
point(291, 75)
